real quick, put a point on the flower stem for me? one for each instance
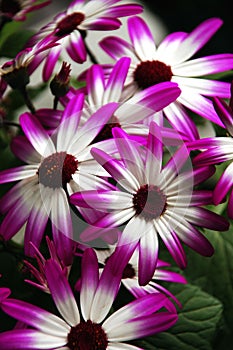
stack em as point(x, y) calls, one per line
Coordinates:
point(27, 100)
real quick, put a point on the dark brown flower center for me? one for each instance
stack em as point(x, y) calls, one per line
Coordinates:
point(87, 336)
point(149, 73)
point(149, 201)
point(10, 7)
point(68, 24)
point(106, 132)
point(129, 272)
point(57, 169)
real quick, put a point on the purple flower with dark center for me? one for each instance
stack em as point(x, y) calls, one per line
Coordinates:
point(130, 275)
point(153, 201)
point(72, 26)
point(88, 326)
point(56, 167)
point(170, 61)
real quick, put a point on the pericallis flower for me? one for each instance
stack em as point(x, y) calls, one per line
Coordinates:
point(219, 150)
point(153, 200)
point(142, 105)
point(17, 9)
point(170, 61)
point(16, 73)
point(130, 275)
point(86, 327)
point(56, 166)
point(71, 27)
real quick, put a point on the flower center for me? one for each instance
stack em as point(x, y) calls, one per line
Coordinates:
point(87, 336)
point(106, 132)
point(149, 201)
point(129, 272)
point(57, 169)
point(10, 7)
point(68, 24)
point(149, 73)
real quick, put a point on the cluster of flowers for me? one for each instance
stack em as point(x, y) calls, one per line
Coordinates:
point(111, 169)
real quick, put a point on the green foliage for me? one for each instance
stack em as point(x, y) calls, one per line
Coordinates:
point(197, 324)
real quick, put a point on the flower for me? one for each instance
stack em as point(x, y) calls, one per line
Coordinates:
point(218, 150)
point(130, 275)
point(56, 166)
point(170, 62)
point(16, 72)
point(17, 9)
point(86, 327)
point(72, 25)
point(130, 111)
point(153, 201)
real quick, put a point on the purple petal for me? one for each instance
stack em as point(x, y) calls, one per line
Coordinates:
point(115, 168)
point(36, 317)
point(23, 149)
point(148, 255)
point(116, 48)
point(224, 185)
point(36, 135)
point(61, 293)
point(51, 60)
point(89, 281)
point(116, 80)
point(29, 339)
point(19, 173)
point(101, 24)
point(76, 47)
point(141, 38)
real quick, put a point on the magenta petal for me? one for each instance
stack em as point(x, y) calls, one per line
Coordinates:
point(89, 281)
point(76, 47)
point(4, 293)
point(50, 62)
point(224, 185)
point(61, 292)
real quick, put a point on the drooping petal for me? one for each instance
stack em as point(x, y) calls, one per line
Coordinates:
point(148, 255)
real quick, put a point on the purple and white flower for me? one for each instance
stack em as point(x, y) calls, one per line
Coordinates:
point(153, 200)
point(57, 166)
point(71, 27)
point(170, 61)
point(86, 327)
point(130, 275)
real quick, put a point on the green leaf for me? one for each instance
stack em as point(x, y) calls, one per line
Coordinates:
point(197, 324)
point(14, 43)
point(215, 276)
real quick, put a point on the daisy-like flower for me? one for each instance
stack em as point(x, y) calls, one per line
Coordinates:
point(56, 166)
point(218, 150)
point(72, 25)
point(153, 201)
point(131, 111)
point(170, 61)
point(87, 327)
point(130, 275)
point(18, 9)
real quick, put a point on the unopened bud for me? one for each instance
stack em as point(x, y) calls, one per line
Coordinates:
point(60, 84)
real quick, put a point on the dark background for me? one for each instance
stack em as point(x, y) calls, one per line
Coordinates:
point(183, 15)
